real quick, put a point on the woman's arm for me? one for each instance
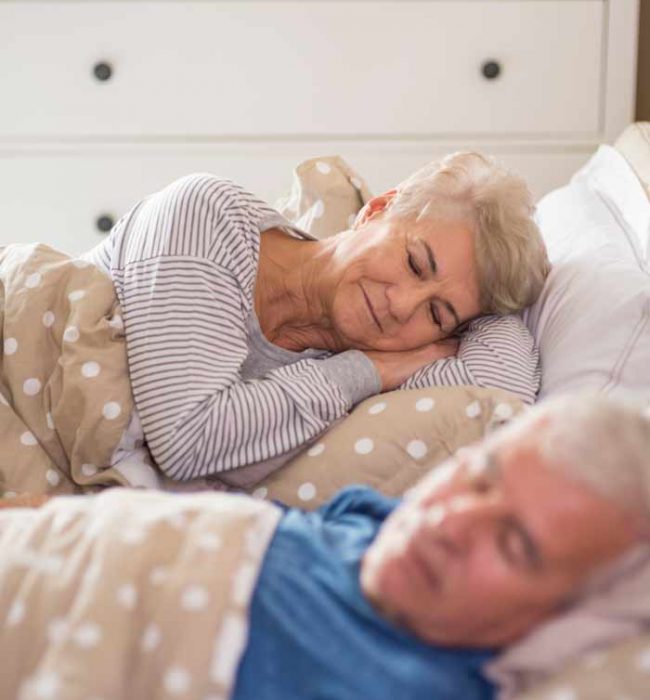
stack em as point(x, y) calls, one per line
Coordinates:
point(184, 265)
point(497, 352)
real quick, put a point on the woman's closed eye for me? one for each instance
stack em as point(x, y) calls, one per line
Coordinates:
point(417, 271)
point(434, 315)
point(415, 268)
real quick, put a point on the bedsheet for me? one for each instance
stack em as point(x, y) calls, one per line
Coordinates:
point(128, 594)
point(65, 396)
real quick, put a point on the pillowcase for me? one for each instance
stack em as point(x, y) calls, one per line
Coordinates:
point(388, 442)
point(621, 672)
point(634, 145)
point(325, 196)
point(592, 320)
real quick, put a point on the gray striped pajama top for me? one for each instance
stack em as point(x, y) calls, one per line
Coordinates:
point(212, 393)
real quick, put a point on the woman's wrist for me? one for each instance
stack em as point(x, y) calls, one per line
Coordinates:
point(355, 373)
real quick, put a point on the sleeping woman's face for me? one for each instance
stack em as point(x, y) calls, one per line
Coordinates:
point(397, 285)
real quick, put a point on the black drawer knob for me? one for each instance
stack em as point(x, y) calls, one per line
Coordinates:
point(102, 71)
point(104, 223)
point(491, 70)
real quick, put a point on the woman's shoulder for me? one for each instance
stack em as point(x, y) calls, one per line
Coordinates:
point(201, 216)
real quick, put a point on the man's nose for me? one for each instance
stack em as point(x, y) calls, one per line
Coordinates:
point(464, 519)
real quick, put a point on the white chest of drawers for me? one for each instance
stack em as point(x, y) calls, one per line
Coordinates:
point(104, 102)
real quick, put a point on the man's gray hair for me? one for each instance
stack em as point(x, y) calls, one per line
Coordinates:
point(600, 442)
point(510, 254)
point(606, 445)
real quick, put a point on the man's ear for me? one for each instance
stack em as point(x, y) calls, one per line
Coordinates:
point(373, 207)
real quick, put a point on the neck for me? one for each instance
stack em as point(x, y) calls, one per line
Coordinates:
point(288, 300)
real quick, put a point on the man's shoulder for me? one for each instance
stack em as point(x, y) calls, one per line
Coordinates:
point(358, 499)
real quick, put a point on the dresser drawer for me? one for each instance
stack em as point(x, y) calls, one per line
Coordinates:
point(65, 198)
point(224, 69)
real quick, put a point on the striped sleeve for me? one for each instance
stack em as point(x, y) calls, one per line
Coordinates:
point(184, 268)
point(495, 352)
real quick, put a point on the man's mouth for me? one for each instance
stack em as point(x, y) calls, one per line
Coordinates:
point(372, 311)
point(425, 569)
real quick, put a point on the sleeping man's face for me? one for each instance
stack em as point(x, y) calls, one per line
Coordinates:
point(490, 544)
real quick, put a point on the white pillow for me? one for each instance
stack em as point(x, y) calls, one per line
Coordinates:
point(592, 320)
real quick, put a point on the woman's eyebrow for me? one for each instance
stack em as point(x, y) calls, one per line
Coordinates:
point(434, 269)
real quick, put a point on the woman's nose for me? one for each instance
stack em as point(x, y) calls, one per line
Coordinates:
point(405, 299)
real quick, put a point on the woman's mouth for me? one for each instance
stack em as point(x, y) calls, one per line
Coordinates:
point(372, 311)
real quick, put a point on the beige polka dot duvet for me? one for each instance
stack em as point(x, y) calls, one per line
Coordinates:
point(65, 396)
point(128, 594)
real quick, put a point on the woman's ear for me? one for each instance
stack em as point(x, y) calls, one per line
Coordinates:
point(373, 207)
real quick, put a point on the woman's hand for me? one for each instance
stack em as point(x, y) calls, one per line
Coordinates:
point(396, 367)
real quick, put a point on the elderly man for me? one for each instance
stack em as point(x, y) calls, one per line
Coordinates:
point(369, 597)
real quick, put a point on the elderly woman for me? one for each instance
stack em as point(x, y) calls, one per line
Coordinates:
point(118, 595)
point(246, 338)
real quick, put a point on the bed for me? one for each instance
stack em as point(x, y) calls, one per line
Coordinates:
point(592, 324)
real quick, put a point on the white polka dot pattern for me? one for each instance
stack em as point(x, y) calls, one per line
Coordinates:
point(323, 168)
point(306, 491)
point(16, 613)
point(88, 469)
point(31, 386)
point(158, 575)
point(210, 541)
point(48, 319)
point(116, 322)
point(71, 334)
point(133, 537)
point(424, 404)
point(417, 449)
point(194, 597)
point(177, 681)
point(45, 686)
point(58, 630)
point(260, 493)
point(33, 280)
point(473, 410)
point(90, 369)
point(503, 411)
point(151, 637)
point(77, 295)
point(127, 596)
point(563, 694)
point(28, 439)
point(87, 635)
point(364, 446)
point(316, 449)
point(318, 209)
point(10, 346)
point(53, 477)
point(377, 408)
point(111, 410)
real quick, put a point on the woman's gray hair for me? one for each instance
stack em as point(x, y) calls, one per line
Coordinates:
point(600, 442)
point(510, 253)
